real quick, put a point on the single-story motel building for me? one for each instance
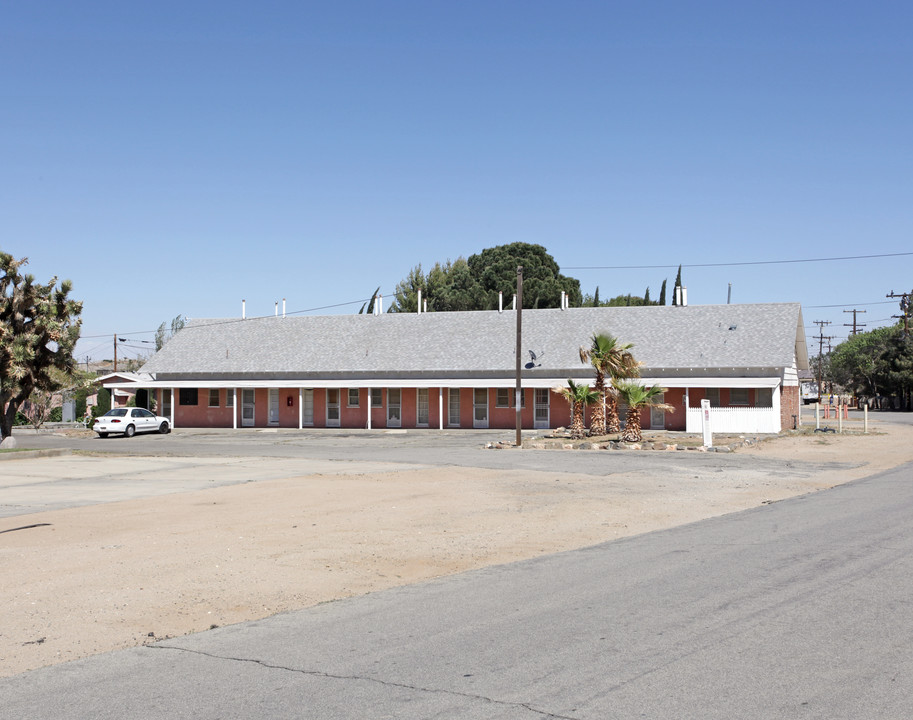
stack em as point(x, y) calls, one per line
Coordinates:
point(458, 369)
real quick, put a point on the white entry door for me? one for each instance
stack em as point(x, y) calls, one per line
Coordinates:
point(541, 419)
point(247, 407)
point(422, 412)
point(394, 407)
point(332, 407)
point(273, 406)
point(480, 408)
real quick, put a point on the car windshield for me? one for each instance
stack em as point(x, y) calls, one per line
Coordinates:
point(117, 412)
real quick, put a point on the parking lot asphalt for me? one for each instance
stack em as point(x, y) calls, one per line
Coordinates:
point(96, 470)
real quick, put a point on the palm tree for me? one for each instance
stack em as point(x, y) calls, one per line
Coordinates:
point(579, 396)
point(636, 397)
point(611, 358)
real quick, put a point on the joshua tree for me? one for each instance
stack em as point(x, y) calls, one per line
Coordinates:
point(636, 397)
point(579, 396)
point(39, 327)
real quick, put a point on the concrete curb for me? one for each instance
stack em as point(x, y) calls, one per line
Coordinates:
point(31, 454)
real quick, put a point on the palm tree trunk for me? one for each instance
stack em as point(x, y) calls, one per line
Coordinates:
point(612, 423)
point(598, 421)
point(632, 432)
point(578, 429)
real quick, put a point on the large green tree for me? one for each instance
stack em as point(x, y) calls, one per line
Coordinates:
point(875, 363)
point(474, 284)
point(39, 327)
point(495, 270)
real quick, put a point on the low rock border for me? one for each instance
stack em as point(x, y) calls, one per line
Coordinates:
point(690, 443)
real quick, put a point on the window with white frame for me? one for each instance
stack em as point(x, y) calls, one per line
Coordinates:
point(504, 398)
point(764, 397)
point(377, 397)
point(354, 398)
point(229, 398)
point(213, 397)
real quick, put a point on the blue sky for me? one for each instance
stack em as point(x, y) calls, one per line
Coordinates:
point(172, 158)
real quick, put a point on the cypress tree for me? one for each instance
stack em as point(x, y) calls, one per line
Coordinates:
point(662, 293)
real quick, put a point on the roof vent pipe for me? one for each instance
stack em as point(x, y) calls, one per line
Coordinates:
point(678, 295)
point(684, 296)
point(283, 307)
point(729, 295)
point(562, 299)
point(244, 309)
point(277, 309)
point(419, 301)
point(379, 305)
point(500, 301)
point(514, 306)
point(426, 305)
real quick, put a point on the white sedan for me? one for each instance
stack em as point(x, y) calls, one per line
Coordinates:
point(129, 421)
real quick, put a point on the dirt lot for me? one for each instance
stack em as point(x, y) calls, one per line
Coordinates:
point(92, 579)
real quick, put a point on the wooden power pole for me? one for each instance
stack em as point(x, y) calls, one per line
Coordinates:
point(519, 394)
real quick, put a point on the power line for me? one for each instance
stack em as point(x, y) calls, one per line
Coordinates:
point(233, 320)
point(843, 305)
point(732, 264)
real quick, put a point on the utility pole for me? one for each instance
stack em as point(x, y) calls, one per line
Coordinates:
point(519, 394)
point(854, 325)
point(821, 337)
point(905, 306)
point(115, 352)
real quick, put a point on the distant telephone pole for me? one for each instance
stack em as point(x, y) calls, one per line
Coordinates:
point(905, 306)
point(821, 337)
point(854, 324)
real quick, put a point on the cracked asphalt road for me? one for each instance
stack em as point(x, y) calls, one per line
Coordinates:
point(795, 609)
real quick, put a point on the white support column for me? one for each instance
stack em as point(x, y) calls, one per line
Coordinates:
point(172, 408)
point(440, 408)
point(300, 408)
point(775, 401)
point(369, 409)
point(234, 414)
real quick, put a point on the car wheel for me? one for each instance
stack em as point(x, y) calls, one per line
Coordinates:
point(102, 435)
point(130, 431)
point(163, 428)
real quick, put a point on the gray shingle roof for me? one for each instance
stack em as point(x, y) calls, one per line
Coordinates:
point(481, 344)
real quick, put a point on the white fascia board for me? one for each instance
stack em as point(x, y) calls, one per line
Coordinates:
point(539, 382)
point(360, 383)
point(713, 382)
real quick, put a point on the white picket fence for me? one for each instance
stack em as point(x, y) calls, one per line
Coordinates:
point(735, 420)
